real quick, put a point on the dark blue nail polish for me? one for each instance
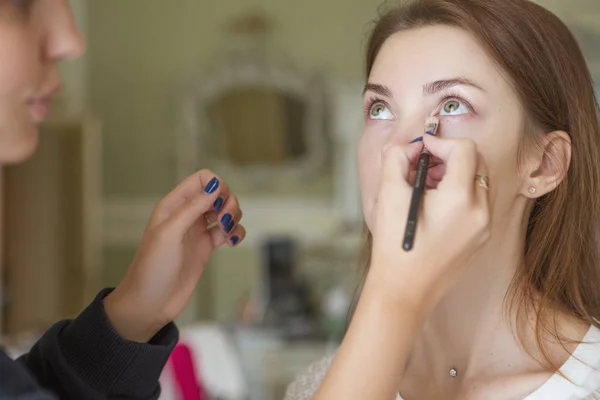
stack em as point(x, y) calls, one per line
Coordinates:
point(226, 220)
point(218, 204)
point(235, 240)
point(430, 133)
point(419, 139)
point(213, 185)
point(229, 227)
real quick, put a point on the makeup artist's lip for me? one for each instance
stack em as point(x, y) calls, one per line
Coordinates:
point(40, 106)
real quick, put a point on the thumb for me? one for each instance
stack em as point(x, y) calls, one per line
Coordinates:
point(396, 162)
point(459, 155)
point(189, 212)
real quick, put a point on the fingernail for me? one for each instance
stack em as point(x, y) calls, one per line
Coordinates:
point(226, 221)
point(430, 133)
point(218, 204)
point(230, 226)
point(213, 185)
point(419, 139)
point(235, 240)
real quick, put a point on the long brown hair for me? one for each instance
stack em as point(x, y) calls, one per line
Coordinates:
point(541, 58)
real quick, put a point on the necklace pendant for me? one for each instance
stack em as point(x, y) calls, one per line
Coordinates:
point(453, 372)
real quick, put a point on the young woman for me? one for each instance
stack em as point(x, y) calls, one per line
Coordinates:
point(117, 347)
point(500, 298)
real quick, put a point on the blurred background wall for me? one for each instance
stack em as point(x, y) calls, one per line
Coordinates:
point(140, 49)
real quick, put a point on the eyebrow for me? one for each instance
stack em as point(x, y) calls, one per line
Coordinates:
point(379, 89)
point(441, 85)
point(429, 88)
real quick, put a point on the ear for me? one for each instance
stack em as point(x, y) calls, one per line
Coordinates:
point(548, 167)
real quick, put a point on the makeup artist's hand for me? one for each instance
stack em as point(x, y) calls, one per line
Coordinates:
point(172, 255)
point(453, 224)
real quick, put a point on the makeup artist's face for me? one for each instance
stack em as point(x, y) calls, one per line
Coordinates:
point(34, 36)
point(444, 69)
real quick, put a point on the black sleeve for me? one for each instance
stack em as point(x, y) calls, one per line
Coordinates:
point(16, 383)
point(86, 359)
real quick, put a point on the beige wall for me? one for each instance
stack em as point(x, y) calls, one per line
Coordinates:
point(140, 49)
point(74, 73)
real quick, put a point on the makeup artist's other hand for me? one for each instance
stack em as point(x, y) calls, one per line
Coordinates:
point(172, 255)
point(453, 224)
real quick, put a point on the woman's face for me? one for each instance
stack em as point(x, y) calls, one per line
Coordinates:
point(34, 36)
point(445, 69)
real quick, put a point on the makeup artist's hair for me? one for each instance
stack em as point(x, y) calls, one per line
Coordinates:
point(543, 62)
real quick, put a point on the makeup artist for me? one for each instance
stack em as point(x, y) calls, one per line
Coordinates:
point(118, 346)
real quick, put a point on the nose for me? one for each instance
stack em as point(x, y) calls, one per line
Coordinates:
point(64, 40)
point(406, 132)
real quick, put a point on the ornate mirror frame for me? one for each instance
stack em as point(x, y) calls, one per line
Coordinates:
point(247, 64)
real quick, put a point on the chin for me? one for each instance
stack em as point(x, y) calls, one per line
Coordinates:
point(18, 151)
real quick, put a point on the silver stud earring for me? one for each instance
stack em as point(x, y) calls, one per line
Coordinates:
point(532, 189)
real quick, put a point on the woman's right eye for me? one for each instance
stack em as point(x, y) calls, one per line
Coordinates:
point(380, 111)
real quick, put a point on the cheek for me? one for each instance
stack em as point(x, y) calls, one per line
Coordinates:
point(20, 77)
point(460, 127)
point(20, 70)
point(369, 170)
point(497, 140)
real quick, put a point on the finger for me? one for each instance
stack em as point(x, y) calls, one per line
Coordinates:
point(212, 217)
point(237, 236)
point(180, 221)
point(230, 215)
point(396, 162)
point(234, 239)
point(482, 194)
point(460, 157)
point(212, 220)
point(201, 181)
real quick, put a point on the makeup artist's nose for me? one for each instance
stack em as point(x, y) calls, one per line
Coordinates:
point(64, 40)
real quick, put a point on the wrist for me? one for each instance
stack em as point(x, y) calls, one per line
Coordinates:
point(129, 320)
point(392, 287)
point(381, 334)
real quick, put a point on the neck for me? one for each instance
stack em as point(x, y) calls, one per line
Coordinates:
point(469, 329)
point(474, 332)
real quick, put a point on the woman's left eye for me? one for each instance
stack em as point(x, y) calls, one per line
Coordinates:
point(454, 107)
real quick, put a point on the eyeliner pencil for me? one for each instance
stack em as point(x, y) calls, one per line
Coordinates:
point(419, 189)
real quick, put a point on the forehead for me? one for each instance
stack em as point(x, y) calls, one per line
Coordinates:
point(408, 59)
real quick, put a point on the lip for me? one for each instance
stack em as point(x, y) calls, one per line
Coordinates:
point(435, 173)
point(40, 106)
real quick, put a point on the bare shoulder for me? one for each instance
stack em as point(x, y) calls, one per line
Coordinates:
point(306, 384)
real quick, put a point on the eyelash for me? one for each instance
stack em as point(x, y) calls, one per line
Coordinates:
point(371, 102)
point(454, 96)
point(446, 97)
